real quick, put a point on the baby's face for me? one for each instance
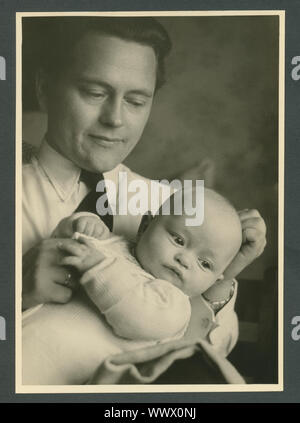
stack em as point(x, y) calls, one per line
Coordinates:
point(191, 258)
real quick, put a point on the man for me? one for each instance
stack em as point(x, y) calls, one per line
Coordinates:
point(96, 82)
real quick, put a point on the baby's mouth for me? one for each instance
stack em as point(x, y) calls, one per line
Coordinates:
point(175, 271)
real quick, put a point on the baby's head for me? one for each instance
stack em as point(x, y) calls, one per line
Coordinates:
point(192, 258)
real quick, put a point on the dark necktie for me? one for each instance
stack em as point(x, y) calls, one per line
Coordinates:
point(89, 202)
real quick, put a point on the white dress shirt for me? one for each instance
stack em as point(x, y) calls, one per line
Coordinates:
point(52, 191)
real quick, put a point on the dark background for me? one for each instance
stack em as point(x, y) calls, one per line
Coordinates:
point(7, 125)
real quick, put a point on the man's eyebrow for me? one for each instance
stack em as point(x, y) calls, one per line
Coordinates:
point(136, 91)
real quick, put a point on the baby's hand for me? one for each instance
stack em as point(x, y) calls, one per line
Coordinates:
point(82, 255)
point(91, 226)
point(64, 229)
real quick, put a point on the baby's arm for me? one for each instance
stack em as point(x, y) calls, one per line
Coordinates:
point(225, 334)
point(136, 307)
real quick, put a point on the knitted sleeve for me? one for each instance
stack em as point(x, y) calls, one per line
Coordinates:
point(137, 306)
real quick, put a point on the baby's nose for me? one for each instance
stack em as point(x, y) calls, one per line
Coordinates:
point(182, 259)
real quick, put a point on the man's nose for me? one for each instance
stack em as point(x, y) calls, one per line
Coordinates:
point(111, 113)
point(183, 259)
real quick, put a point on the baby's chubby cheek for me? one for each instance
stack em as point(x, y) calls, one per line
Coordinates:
point(149, 261)
point(142, 255)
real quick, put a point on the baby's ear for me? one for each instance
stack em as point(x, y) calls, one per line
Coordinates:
point(146, 219)
point(220, 278)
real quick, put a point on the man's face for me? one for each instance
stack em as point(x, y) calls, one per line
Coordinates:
point(98, 108)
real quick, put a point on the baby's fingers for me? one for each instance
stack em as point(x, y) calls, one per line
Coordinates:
point(71, 246)
point(99, 232)
point(84, 241)
point(90, 228)
point(79, 225)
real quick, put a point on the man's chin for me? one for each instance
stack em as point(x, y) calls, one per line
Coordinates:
point(102, 165)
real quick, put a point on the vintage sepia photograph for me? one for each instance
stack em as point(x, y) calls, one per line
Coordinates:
point(149, 169)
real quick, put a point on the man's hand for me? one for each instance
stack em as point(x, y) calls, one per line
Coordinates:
point(254, 242)
point(82, 255)
point(44, 280)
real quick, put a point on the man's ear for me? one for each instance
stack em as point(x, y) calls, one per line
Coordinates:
point(41, 89)
point(146, 219)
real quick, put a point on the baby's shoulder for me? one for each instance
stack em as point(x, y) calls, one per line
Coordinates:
point(125, 248)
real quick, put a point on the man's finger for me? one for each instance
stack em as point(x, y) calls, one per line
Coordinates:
point(65, 277)
point(251, 235)
point(61, 294)
point(59, 274)
point(248, 214)
point(255, 223)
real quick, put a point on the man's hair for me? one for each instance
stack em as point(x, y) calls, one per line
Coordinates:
point(61, 34)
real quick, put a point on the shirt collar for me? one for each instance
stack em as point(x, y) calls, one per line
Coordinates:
point(63, 174)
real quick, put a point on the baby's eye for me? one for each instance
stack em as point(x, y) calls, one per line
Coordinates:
point(205, 264)
point(178, 240)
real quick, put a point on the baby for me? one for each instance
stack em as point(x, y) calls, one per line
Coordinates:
point(142, 289)
point(154, 279)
